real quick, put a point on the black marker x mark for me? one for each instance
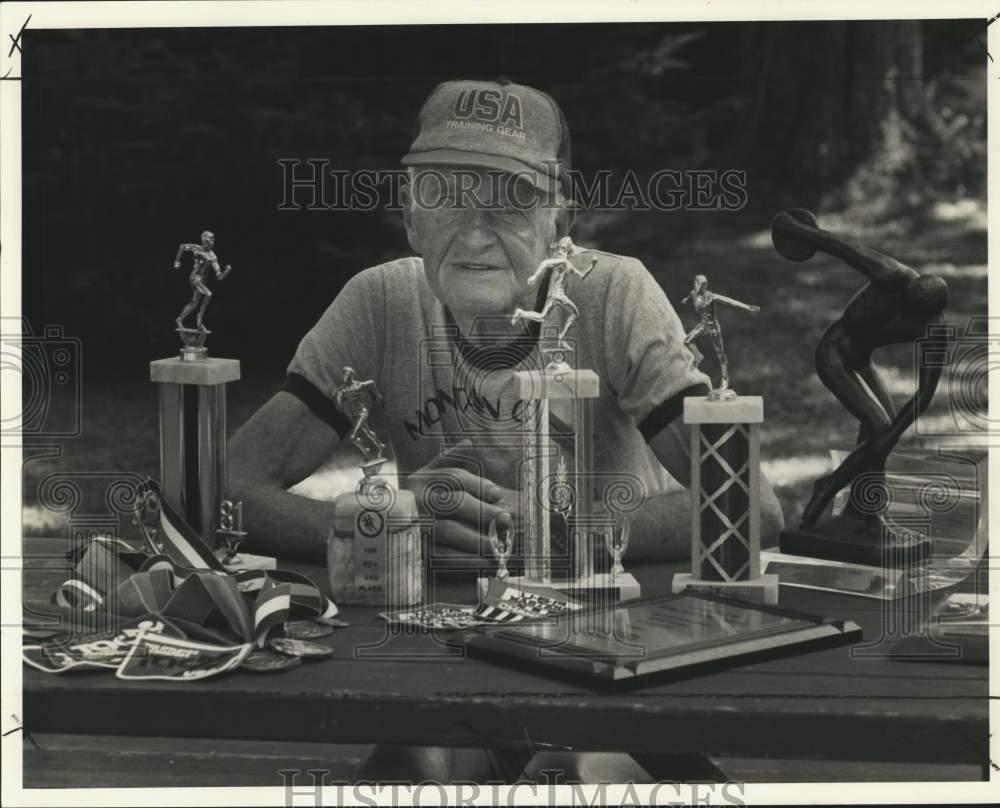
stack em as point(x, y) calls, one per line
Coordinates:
point(982, 44)
point(16, 40)
point(15, 43)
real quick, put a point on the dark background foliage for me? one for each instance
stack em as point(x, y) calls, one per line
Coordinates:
point(136, 140)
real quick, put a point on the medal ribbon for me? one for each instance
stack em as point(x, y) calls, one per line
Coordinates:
point(183, 591)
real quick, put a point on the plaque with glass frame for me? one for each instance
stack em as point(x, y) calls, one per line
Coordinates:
point(645, 641)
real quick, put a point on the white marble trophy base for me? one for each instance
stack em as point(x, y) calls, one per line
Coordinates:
point(759, 590)
point(625, 583)
point(249, 561)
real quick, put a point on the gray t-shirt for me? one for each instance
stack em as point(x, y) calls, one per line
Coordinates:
point(439, 388)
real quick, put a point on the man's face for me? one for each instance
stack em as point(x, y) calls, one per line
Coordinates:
point(480, 237)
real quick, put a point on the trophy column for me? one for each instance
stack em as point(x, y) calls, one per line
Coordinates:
point(556, 491)
point(557, 486)
point(725, 499)
point(193, 473)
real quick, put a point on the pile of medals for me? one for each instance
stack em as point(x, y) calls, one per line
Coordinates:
point(294, 645)
point(170, 611)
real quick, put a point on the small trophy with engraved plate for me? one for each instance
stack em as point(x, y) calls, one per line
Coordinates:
point(375, 552)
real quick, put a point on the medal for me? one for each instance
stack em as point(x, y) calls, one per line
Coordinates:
point(300, 648)
point(268, 662)
point(306, 630)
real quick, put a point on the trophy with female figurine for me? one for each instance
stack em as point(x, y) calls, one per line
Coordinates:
point(725, 472)
point(192, 386)
point(556, 495)
point(375, 552)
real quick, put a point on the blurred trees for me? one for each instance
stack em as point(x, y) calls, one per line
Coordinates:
point(850, 111)
point(136, 140)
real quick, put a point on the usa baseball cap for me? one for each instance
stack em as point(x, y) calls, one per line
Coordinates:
point(494, 125)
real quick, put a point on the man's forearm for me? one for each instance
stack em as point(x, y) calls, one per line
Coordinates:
point(283, 525)
point(661, 529)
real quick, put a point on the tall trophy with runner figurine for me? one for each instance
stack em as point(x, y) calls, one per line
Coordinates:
point(375, 553)
point(193, 467)
point(725, 472)
point(560, 528)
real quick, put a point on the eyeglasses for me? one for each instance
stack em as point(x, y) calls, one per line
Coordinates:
point(510, 206)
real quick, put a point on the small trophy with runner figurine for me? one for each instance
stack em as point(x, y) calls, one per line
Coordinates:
point(375, 552)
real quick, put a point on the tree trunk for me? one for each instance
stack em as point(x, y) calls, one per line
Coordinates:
point(830, 107)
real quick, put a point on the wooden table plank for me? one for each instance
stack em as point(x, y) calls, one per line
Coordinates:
point(828, 704)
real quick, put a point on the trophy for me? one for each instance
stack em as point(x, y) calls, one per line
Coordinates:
point(896, 306)
point(502, 545)
point(193, 469)
point(557, 468)
point(616, 541)
point(704, 303)
point(375, 552)
point(203, 259)
point(232, 533)
point(725, 472)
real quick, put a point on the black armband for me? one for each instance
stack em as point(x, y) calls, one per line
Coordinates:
point(321, 406)
point(662, 415)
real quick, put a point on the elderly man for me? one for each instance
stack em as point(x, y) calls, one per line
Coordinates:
point(487, 203)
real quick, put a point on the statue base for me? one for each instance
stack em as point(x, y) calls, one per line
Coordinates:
point(763, 589)
point(600, 584)
point(249, 561)
point(850, 539)
point(193, 354)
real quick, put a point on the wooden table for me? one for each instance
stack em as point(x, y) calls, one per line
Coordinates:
point(831, 704)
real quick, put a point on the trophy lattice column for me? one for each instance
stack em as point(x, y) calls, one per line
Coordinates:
point(725, 498)
point(193, 468)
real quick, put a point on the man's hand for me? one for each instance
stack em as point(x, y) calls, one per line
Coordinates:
point(461, 502)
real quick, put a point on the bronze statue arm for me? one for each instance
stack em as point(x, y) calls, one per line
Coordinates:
point(221, 273)
point(796, 236)
point(735, 303)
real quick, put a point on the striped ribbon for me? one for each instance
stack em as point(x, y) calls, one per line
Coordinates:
point(186, 585)
point(180, 542)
